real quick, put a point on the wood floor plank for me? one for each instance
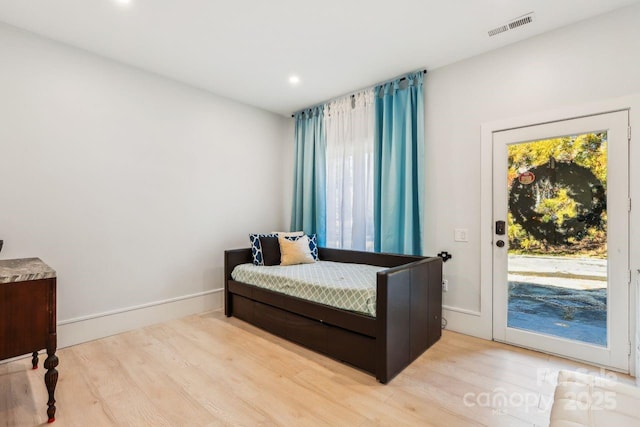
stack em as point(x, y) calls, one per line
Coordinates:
point(75, 386)
point(209, 370)
point(17, 403)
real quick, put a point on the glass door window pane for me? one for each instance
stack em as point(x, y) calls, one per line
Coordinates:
point(557, 233)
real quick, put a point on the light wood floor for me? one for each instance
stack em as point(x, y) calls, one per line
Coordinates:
point(207, 370)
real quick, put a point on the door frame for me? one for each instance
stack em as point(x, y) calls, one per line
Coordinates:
point(483, 324)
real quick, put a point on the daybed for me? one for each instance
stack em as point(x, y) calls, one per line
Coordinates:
point(407, 322)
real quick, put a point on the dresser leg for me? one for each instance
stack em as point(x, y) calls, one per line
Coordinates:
point(34, 360)
point(51, 379)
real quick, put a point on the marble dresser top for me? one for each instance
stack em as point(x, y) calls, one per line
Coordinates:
point(23, 269)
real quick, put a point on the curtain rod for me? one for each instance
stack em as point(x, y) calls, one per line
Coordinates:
point(401, 76)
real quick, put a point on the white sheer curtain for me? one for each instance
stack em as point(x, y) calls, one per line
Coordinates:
point(349, 130)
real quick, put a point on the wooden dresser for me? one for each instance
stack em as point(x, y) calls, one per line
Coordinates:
point(28, 316)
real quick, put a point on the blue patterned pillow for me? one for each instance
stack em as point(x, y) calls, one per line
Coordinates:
point(313, 244)
point(256, 247)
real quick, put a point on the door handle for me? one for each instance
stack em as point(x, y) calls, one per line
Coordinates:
point(500, 243)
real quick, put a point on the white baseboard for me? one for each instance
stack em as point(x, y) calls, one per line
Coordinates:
point(467, 322)
point(100, 325)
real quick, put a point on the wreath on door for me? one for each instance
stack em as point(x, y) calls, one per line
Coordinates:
point(557, 201)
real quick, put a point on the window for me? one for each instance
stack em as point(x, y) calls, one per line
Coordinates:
point(349, 134)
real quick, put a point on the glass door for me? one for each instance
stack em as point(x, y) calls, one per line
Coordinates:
point(561, 238)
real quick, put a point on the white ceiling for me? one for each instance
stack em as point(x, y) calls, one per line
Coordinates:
point(247, 49)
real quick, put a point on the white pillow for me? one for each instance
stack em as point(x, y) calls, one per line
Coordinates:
point(294, 252)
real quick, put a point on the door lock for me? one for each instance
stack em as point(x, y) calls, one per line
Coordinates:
point(500, 228)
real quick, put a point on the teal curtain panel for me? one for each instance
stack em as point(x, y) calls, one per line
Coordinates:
point(309, 182)
point(399, 165)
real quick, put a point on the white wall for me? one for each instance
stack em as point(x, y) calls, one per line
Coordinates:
point(128, 184)
point(587, 62)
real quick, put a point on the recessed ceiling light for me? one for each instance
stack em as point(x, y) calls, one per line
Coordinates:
point(294, 80)
point(123, 1)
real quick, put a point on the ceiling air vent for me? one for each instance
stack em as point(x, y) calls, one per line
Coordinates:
point(513, 24)
point(500, 29)
point(527, 19)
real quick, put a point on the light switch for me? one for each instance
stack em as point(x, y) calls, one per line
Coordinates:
point(461, 235)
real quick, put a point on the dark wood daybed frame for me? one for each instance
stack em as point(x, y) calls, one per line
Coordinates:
point(407, 322)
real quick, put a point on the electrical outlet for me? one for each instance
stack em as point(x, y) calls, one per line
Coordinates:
point(445, 286)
